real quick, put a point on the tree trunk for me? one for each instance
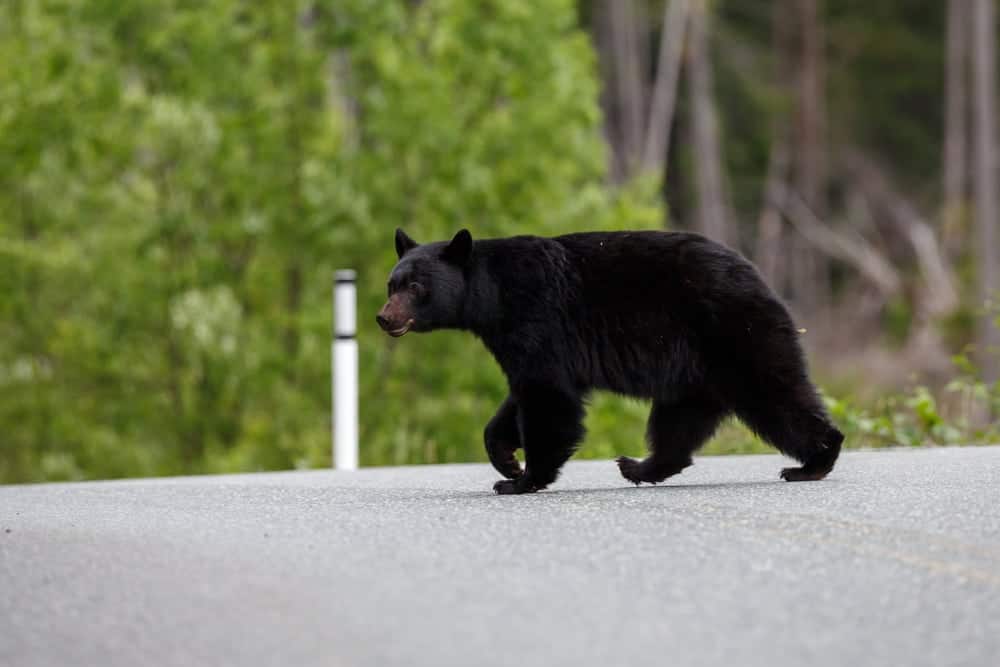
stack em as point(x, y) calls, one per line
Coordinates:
point(811, 288)
point(664, 97)
point(627, 48)
point(984, 118)
point(705, 129)
point(955, 134)
point(767, 254)
point(605, 58)
point(810, 158)
point(770, 241)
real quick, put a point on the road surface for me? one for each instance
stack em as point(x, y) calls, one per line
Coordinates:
point(894, 560)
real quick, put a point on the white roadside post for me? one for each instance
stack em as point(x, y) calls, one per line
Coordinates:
point(345, 372)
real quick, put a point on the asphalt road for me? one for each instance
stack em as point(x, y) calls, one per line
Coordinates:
point(894, 560)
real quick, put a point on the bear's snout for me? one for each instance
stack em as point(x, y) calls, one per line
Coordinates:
point(394, 319)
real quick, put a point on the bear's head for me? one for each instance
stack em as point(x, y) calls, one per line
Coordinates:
point(427, 286)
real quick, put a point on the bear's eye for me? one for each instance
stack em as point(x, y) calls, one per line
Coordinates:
point(417, 290)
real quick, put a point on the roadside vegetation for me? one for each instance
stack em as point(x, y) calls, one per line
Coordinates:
point(179, 181)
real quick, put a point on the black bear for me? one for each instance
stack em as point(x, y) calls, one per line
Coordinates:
point(667, 316)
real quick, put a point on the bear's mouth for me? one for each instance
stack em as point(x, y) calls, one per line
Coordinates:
point(396, 333)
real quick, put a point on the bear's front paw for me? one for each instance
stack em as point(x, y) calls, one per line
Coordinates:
point(803, 474)
point(512, 486)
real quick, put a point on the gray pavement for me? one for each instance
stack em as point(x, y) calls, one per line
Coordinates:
point(894, 560)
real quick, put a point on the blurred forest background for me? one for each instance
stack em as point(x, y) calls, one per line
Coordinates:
point(179, 180)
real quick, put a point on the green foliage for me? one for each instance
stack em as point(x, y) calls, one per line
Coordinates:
point(179, 180)
point(975, 395)
point(917, 418)
point(160, 167)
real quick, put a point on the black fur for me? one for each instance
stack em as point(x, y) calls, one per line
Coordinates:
point(671, 317)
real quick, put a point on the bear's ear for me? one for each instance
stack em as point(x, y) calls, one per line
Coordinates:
point(404, 243)
point(459, 249)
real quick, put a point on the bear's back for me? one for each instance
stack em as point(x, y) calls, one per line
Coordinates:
point(632, 271)
point(669, 302)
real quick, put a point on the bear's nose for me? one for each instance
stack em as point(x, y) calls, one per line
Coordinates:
point(382, 322)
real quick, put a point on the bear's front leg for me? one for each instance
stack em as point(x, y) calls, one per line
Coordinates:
point(550, 423)
point(503, 439)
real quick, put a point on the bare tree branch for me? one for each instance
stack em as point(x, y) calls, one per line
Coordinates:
point(939, 280)
point(855, 251)
point(942, 294)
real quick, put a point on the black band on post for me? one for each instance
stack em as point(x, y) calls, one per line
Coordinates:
point(344, 306)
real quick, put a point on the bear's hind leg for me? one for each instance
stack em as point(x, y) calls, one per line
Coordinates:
point(797, 424)
point(674, 431)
